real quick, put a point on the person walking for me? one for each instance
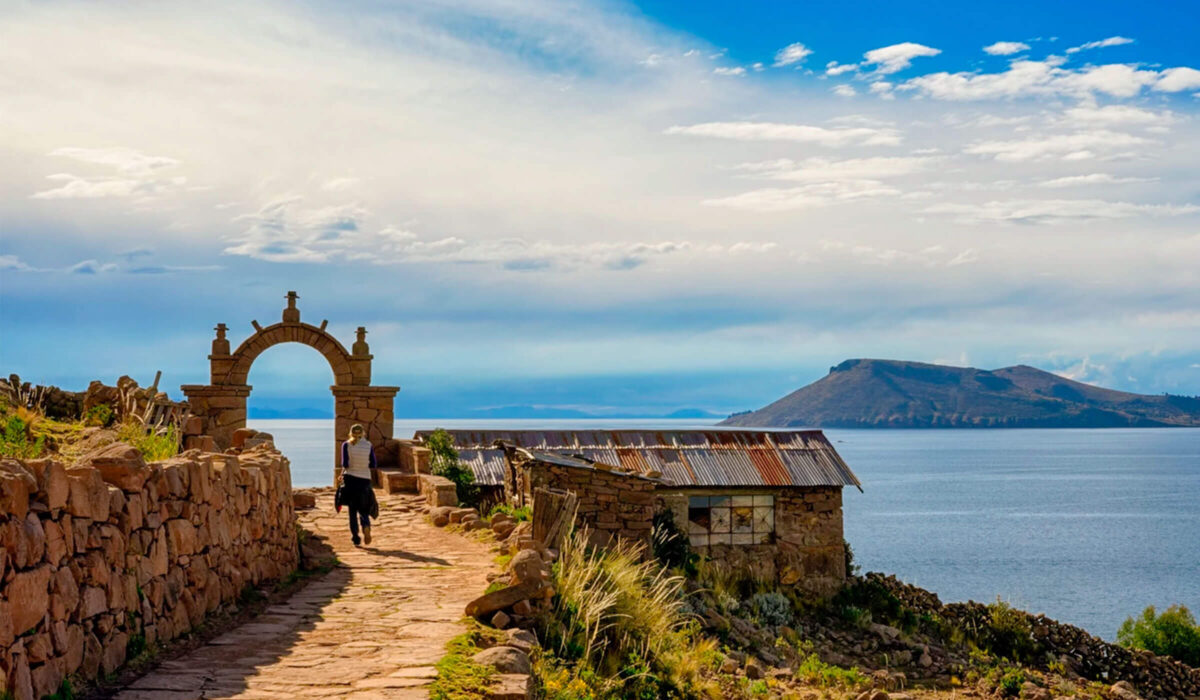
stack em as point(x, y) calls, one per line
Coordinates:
point(358, 463)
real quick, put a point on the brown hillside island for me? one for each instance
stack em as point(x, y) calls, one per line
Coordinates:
point(898, 394)
point(769, 503)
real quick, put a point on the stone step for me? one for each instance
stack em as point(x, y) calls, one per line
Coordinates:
point(397, 481)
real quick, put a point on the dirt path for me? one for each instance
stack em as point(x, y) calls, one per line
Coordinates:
point(372, 628)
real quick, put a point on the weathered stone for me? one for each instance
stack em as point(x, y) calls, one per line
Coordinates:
point(122, 466)
point(504, 659)
point(303, 501)
point(181, 537)
point(14, 495)
point(500, 620)
point(754, 669)
point(520, 639)
point(510, 686)
point(522, 607)
point(94, 602)
point(1124, 690)
point(89, 494)
point(29, 598)
point(489, 603)
point(47, 678)
point(527, 566)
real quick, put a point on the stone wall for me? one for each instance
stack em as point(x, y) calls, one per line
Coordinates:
point(99, 560)
point(611, 504)
point(808, 549)
point(1090, 657)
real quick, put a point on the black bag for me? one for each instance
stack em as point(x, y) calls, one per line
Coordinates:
point(337, 499)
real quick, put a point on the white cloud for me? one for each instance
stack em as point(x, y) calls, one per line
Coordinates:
point(137, 175)
point(738, 70)
point(1052, 211)
point(835, 68)
point(800, 133)
point(826, 170)
point(931, 256)
point(339, 184)
point(818, 194)
point(882, 88)
point(91, 267)
point(844, 90)
point(1077, 146)
point(1025, 78)
point(1093, 179)
point(758, 66)
point(1118, 116)
point(12, 262)
point(1103, 43)
point(1178, 80)
point(792, 54)
point(1005, 48)
point(897, 57)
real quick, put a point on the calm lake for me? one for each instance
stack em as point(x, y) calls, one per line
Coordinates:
point(1087, 526)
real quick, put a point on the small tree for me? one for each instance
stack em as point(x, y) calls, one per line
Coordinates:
point(1173, 633)
point(444, 462)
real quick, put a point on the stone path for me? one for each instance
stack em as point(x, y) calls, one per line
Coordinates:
point(372, 628)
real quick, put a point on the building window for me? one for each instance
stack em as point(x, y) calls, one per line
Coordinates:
point(731, 520)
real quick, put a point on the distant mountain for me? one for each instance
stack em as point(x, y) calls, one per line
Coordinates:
point(898, 394)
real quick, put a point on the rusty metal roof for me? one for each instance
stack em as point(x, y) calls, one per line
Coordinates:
point(688, 458)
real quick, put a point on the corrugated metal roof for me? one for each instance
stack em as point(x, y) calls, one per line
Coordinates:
point(701, 458)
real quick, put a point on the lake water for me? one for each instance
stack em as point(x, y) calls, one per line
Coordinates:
point(1087, 526)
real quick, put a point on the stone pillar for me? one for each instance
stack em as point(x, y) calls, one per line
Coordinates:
point(372, 406)
point(221, 408)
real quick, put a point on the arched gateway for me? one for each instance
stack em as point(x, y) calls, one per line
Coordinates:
point(221, 405)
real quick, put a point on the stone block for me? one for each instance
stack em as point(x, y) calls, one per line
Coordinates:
point(122, 466)
point(29, 598)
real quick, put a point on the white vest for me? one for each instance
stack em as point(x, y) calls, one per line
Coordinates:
point(360, 459)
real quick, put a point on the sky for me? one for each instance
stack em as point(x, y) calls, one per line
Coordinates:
point(608, 207)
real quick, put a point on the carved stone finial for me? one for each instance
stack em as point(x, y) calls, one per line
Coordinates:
point(360, 346)
point(220, 346)
point(291, 314)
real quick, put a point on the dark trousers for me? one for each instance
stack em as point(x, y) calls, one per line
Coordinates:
point(356, 500)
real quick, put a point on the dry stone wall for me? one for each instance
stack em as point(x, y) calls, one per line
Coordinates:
point(1090, 657)
point(611, 504)
point(101, 559)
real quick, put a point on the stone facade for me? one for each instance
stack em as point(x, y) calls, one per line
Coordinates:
point(100, 559)
point(220, 406)
point(805, 549)
point(611, 504)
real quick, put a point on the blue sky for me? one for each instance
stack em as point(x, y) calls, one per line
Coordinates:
point(604, 207)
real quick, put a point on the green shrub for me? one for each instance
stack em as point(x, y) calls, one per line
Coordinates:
point(16, 440)
point(100, 414)
point(155, 446)
point(444, 462)
point(772, 608)
point(1173, 633)
point(517, 513)
point(813, 670)
point(1008, 633)
point(852, 569)
point(1010, 681)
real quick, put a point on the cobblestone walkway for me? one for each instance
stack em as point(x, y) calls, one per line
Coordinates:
point(372, 628)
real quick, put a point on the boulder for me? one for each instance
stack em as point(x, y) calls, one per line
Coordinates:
point(500, 620)
point(527, 566)
point(240, 436)
point(520, 639)
point(457, 514)
point(504, 659)
point(489, 603)
point(303, 501)
point(754, 669)
point(503, 528)
point(122, 466)
point(885, 632)
point(1124, 690)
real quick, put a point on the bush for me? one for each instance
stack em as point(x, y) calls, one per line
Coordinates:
point(813, 670)
point(444, 462)
point(1173, 633)
point(100, 414)
point(852, 569)
point(1008, 633)
point(16, 440)
point(153, 445)
point(772, 608)
point(618, 623)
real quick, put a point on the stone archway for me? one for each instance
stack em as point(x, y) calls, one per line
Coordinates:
point(221, 404)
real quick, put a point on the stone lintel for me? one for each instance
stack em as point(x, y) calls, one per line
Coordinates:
point(364, 390)
point(216, 390)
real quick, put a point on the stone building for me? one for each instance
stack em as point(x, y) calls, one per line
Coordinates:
point(765, 502)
